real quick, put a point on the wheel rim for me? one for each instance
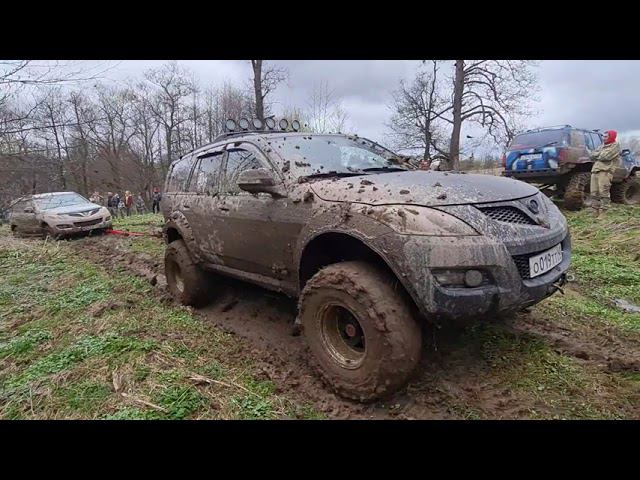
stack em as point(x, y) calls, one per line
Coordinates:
point(342, 336)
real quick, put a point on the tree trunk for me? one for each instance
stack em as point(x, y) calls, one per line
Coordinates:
point(458, 90)
point(257, 87)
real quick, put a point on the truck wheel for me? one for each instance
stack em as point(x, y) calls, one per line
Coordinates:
point(186, 281)
point(626, 192)
point(576, 190)
point(364, 340)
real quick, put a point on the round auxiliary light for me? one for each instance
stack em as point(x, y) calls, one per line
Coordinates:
point(230, 125)
point(473, 278)
point(257, 124)
point(295, 125)
point(271, 123)
point(243, 124)
point(283, 124)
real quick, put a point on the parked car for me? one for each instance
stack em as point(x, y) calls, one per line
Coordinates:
point(559, 157)
point(370, 248)
point(57, 214)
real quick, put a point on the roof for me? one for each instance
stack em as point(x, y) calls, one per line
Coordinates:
point(50, 194)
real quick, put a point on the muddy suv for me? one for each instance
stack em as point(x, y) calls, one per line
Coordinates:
point(371, 249)
point(558, 159)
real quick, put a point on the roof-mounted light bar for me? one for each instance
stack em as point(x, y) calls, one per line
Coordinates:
point(255, 124)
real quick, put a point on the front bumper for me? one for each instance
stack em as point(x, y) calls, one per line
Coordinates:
point(71, 227)
point(508, 287)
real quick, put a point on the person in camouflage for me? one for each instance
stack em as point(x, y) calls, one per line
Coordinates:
point(605, 159)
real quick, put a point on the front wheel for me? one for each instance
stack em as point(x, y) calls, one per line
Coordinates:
point(626, 192)
point(364, 339)
point(186, 281)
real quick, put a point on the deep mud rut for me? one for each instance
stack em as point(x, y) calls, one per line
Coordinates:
point(452, 381)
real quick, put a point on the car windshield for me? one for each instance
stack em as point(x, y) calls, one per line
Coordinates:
point(537, 139)
point(64, 200)
point(326, 154)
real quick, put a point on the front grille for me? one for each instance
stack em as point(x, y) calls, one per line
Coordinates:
point(88, 223)
point(507, 214)
point(87, 213)
point(522, 264)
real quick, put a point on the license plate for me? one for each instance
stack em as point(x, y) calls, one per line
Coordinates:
point(530, 157)
point(545, 261)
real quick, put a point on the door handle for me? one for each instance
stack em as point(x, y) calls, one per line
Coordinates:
point(224, 209)
point(186, 207)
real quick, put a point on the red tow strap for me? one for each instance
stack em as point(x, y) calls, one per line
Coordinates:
point(125, 234)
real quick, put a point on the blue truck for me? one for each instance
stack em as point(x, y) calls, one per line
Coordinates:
point(558, 160)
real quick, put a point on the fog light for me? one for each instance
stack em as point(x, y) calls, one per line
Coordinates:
point(107, 219)
point(473, 278)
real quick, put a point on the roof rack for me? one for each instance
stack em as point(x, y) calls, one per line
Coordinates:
point(548, 128)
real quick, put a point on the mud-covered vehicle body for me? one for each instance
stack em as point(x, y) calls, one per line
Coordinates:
point(370, 248)
point(560, 157)
point(57, 214)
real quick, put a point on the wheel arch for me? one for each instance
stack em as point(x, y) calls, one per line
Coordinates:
point(332, 247)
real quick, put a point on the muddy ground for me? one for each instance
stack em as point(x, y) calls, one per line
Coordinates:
point(534, 365)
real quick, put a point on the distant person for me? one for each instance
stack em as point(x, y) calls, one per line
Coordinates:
point(605, 158)
point(128, 202)
point(96, 198)
point(141, 208)
point(112, 204)
point(121, 207)
point(157, 196)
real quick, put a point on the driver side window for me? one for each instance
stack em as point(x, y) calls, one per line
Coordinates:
point(238, 160)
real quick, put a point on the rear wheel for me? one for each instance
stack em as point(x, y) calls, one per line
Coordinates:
point(577, 190)
point(361, 331)
point(626, 192)
point(187, 282)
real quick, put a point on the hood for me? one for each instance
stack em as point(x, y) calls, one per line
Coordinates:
point(83, 207)
point(426, 188)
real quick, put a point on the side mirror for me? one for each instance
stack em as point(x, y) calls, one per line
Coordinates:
point(625, 152)
point(259, 180)
point(28, 210)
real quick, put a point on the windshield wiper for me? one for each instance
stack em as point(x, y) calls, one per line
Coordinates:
point(333, 173)
point(384, 169)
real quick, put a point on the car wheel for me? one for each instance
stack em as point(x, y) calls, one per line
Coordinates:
point(48, 232)
point(186, 281)
point(362, 334)
point(626, 192)
point(577, 190)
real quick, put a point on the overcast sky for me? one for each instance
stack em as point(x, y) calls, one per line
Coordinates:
point(590, 94)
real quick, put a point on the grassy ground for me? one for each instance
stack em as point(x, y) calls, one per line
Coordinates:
point(79, 342)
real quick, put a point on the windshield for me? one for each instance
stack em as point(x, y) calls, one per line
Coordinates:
point(324, 154)
point(64, 200)
point(537, 139)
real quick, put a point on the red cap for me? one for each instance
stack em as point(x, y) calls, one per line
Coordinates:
point(611, 136)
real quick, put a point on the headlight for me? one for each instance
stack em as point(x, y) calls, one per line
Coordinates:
point(413, 220)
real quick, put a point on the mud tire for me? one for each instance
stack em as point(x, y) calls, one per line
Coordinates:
point(626, 192)
point(186, 282)
point(393, 338)
point(577, 190)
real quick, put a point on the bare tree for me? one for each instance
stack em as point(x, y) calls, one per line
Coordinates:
point(266, 79)
point(416, 110)
point(491, 93)
point(325, 112)
point(172, 85)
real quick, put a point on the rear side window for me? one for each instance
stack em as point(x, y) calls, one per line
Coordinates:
point(179, 175)
point(597, 141)
point(577, 139)
point(238, 160)
point(588, 141)
point(206, 177)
